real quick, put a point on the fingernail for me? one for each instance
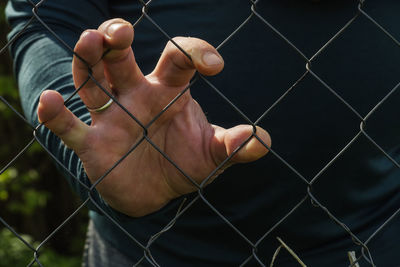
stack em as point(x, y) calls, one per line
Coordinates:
point(113, 27)
point(211, 59)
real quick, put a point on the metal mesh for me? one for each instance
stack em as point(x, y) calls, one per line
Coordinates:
point(308, 181)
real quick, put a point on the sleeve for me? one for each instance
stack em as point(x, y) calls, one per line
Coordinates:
point(42, 61)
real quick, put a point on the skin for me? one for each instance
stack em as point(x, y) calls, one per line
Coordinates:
point(145, 181)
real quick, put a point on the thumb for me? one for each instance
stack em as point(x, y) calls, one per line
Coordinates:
point(175, 68)
point(240, 138)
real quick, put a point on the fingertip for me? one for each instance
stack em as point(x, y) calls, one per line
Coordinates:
point(208, 62)
point(258, 148)
point(61, 121)
point(118, 33)
point(50, 104)
point(253, 149)
point(182, 56)
point(88, 50)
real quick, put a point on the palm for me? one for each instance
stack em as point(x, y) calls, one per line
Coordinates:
point(179, 133)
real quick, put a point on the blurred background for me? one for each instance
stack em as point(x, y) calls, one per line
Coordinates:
point(34, 198)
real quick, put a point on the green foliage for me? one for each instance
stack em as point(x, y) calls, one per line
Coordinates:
point(2, 14)
point(8, 86)
point(34, 198)
point(13, 252)
point(18, 183)
point(28, 201)
point(11, 182)
point(8, 90)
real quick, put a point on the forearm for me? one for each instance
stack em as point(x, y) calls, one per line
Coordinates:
point(42, 62)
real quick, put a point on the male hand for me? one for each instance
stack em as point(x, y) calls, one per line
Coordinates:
point(145, 180)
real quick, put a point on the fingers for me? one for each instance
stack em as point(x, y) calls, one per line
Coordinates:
point(108, 53)
point(90, 49)
point(55, 116)
point(227, 141)
point(174, 68)
point(120, 66)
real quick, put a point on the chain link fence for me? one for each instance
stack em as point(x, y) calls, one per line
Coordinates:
point(309, 195)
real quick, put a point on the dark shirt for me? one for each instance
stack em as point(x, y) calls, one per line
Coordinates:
point(318, 119)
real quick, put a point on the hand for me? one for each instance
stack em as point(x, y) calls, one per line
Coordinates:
point(144, 181)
